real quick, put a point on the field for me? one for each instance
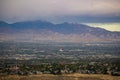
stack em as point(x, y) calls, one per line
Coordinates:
point(75, 76)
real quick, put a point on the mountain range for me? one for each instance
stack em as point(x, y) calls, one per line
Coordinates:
point(35, 31)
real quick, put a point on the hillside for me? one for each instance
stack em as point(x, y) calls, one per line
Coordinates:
point(46, 31)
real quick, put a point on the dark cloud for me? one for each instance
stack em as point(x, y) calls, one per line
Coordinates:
point(60, 10)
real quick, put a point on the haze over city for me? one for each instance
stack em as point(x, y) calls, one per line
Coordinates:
point(59, 39)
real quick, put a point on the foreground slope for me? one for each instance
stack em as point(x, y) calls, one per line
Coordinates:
point(75, 76)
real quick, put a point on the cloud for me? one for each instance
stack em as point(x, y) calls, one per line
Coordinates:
point(51, 9)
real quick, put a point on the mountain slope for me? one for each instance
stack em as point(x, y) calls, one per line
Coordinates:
point(46, 31)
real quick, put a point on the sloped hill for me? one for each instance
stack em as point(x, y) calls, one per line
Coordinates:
point(46, 31)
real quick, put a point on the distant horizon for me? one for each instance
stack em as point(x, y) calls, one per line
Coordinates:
point(59, 11)
point(110, 26)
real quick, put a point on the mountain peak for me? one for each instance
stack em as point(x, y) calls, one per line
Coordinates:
point(43, 30)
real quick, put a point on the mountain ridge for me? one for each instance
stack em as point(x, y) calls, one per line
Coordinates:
point(43, 30)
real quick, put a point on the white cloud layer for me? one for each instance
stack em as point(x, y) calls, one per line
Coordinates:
point(47, 9)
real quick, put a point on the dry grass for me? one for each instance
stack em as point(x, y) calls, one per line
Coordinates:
point(61, 77)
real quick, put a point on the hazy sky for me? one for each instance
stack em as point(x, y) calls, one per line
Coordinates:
point(60, 10)
point(107, 26)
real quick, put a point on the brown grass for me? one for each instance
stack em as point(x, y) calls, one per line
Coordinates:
point(61, 77)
